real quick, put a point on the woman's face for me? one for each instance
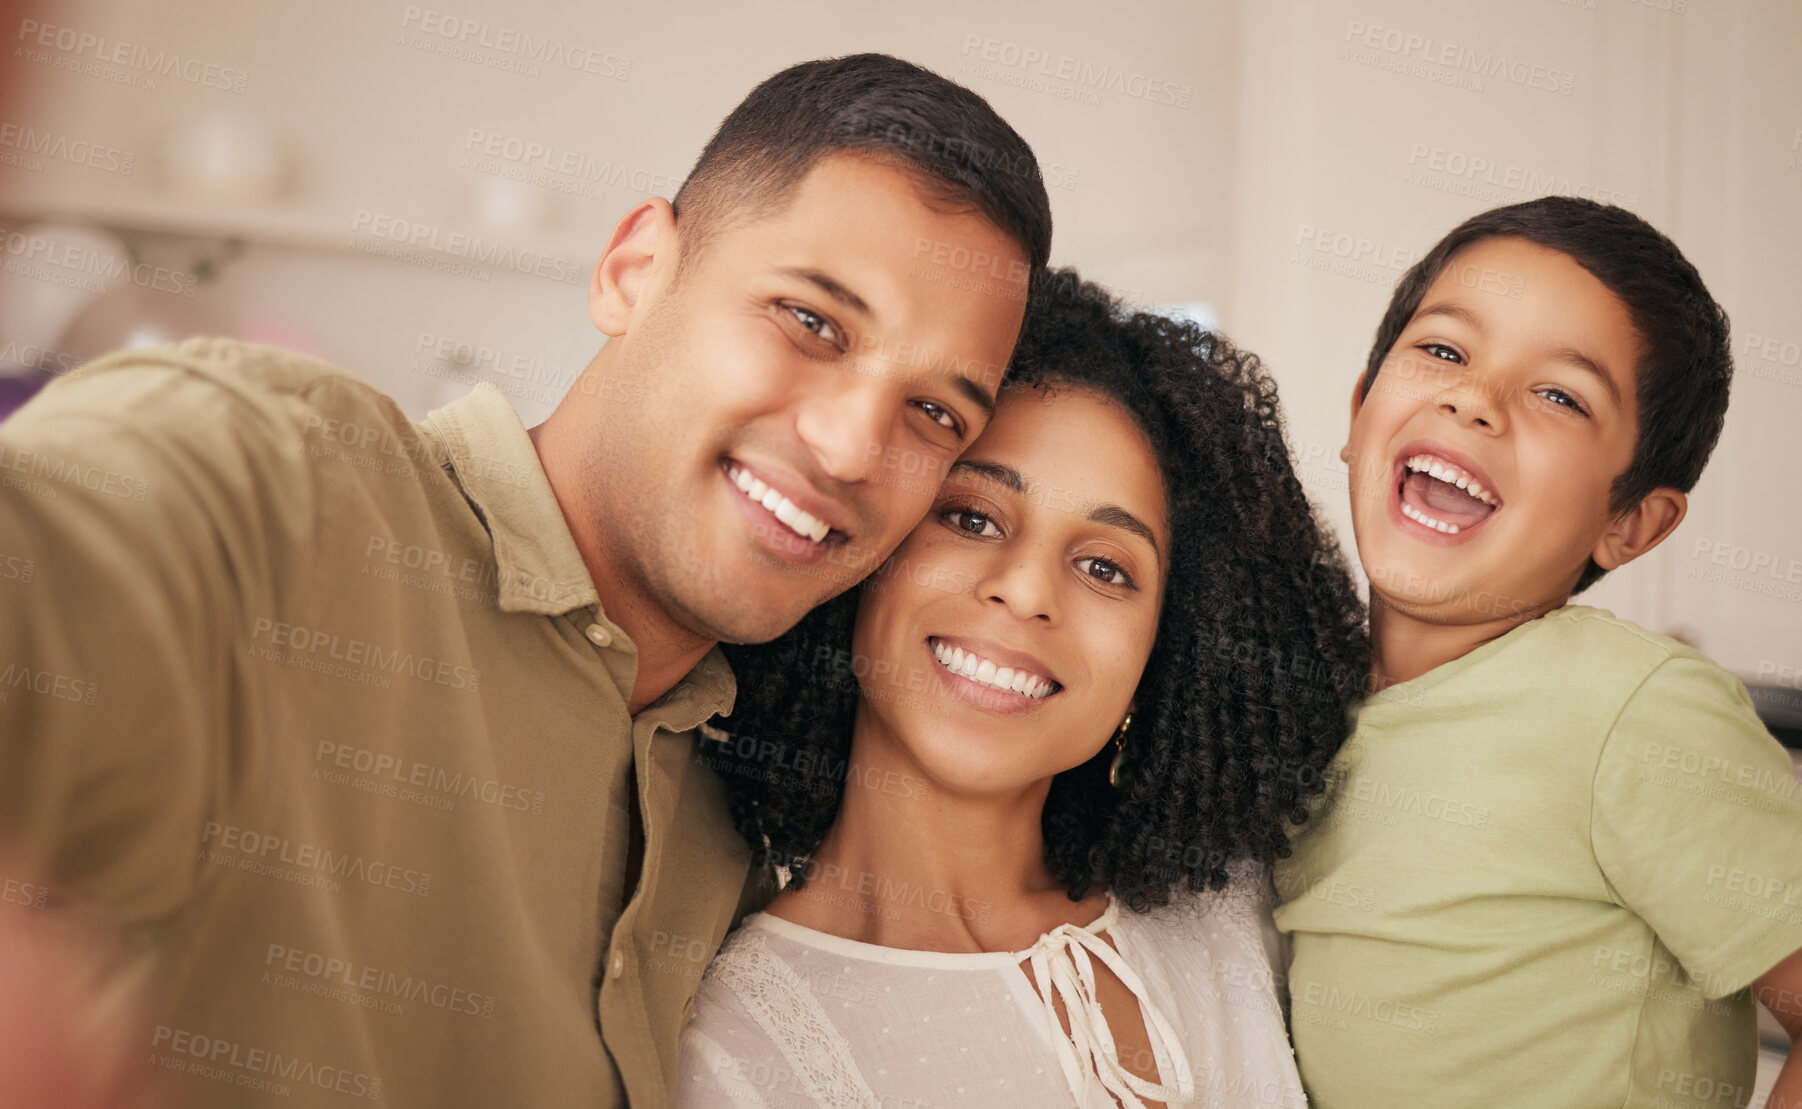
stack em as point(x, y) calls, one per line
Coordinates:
point(1003, 641)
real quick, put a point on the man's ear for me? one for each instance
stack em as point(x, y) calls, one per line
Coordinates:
point(642, 247)
point(1640, 528)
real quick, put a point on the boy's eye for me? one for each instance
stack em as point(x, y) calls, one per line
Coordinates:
point(1562, 399)
point(970, 521)
point(1106, 572)
point(1442, 352)
point(815, 323)
point(942, 416)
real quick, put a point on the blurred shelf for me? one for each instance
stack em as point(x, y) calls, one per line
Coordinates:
point(293, 227)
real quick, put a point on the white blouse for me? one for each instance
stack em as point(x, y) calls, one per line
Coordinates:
point(790, 1016)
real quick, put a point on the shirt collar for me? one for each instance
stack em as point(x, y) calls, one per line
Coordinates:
point(484, 444)
point(486, 448)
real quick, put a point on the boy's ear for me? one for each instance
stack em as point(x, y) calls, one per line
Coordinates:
point(643, 245)
point(1640, 528)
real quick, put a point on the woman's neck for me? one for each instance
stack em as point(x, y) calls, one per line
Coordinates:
point(912, 865)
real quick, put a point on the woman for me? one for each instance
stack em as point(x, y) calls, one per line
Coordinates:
point(1025, 783)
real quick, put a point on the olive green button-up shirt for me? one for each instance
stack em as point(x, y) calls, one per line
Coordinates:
point(319, 708)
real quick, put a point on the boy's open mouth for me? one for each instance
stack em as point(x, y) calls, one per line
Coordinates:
point(1439, 494)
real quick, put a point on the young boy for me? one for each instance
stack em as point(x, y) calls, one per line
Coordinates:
point(1558, 848)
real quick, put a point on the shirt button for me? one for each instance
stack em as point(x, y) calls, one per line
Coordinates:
point(618, 966)
point(600, 636)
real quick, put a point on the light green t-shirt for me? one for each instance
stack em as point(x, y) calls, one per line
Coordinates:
point(1544, 874)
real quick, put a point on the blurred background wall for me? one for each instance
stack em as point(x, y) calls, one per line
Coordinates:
point(417, 192)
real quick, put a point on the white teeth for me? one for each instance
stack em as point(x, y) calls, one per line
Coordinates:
point(981, 670)
point(1451, 475)
point(801, 523)
point(1416, 514)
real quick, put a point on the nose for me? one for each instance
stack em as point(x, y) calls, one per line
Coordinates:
point(1468, 400)
point(1023, 581)
point(845, 426)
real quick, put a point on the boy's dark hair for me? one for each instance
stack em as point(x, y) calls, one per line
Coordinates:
point(1685, 360)
point(948, 138)
point(1260, 651)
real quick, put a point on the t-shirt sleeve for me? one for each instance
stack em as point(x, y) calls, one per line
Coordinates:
point(1697, 824)
point(127, 549)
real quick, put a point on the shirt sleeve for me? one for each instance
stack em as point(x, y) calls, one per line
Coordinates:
point(1697, 824)
point(129, 503)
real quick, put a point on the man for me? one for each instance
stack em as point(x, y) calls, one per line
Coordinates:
point(377, 740)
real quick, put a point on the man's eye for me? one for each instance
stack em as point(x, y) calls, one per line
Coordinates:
point(971, 521)
point(815, 323)
point(1562, 399)
point(1442, 352)
point(941, 416)
point(1104, 571)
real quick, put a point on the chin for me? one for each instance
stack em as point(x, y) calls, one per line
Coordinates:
point(735, 625)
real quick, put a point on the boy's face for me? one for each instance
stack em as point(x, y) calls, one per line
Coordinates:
point(1514, 380)
point(802, 387)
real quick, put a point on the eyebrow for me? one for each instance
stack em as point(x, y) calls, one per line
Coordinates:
point(1456, 312)
point(1574, 357)
point(1571, 356)
point(1111, 515)
point(835, 289)
point(829, 285)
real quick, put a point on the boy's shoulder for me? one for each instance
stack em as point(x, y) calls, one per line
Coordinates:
point(1583, 627)
point(1593, 644)
point(1593, 655)
point(1573, 671)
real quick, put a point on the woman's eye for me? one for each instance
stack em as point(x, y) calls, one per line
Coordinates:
point(971, 521)
point(941, 416)
point(1562, 399)
point(1104, 571)
point(814, 322)
point(1442, 352)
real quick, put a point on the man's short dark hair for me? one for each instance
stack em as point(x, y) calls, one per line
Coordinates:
point(1685, 360)
point(946, 137)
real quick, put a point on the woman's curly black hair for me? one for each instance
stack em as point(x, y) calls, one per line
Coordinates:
point(1260, 651)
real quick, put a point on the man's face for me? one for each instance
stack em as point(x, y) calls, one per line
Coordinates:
point(798, 393)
